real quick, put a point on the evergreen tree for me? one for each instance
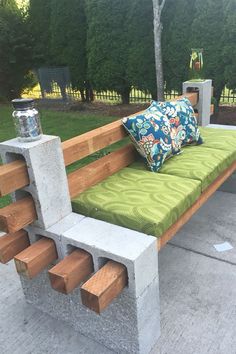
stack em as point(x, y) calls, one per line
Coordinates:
point(230, 44)
point(68, 40)
point(207, 33)
point(39, 21)
point(15, 50)
point(177, 20)
point(141, 58)
point(107, 45)
point(9, 5)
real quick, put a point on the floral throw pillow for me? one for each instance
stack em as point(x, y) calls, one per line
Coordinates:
point(182, 119)
point(150, 131)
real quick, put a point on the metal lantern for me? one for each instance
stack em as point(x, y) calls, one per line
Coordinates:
point(196, 64)
point(26, 120)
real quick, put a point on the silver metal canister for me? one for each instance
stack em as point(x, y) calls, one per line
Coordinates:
point(26, 120)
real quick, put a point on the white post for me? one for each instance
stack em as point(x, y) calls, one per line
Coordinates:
point(204, 89)
point(48, 181)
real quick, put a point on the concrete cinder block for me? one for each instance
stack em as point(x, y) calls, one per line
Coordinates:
point(54, 232)
point(131, 324)
point(204, 103)
point(127, 326)
point(48, 182)
point(135, 250)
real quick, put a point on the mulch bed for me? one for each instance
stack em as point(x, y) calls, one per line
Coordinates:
point(226, 114)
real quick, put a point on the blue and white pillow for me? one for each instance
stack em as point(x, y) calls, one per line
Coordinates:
point(151, 133)
point(183, 122)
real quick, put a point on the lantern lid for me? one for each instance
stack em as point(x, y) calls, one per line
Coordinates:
point(22, 103)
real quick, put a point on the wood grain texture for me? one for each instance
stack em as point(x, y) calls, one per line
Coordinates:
point(207, 193)
point(12, 244)
point(17, 215)
point(104, 286)
point(83, 145)
point(97, 171)
point(212, 109)
point(13, 176)
point(71, 271)
point(36, 258)
point(192, 96)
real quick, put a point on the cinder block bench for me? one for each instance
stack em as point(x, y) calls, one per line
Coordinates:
point(152, 203)
point(97, 267)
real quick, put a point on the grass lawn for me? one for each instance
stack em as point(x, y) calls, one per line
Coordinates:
point(64, 124)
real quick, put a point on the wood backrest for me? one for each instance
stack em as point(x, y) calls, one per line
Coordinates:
point(14, 175)
point(86, 144)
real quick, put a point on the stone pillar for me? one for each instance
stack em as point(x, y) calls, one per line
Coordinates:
point(131, 323)
point(48, 181)
point(204, 104)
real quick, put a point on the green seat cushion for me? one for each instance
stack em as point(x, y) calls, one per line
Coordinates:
point(197, 163)
point(140, 200)
point(221, 139)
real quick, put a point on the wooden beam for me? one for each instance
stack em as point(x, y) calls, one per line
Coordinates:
point(104, 286)
point(12, 244)
point(17, 215)
point(206, 194)
point(13, 176)
point(86, 144)
point(36, 258)
point(97, 171)
point(192, 96)
point(71, 271)
point(212, 109)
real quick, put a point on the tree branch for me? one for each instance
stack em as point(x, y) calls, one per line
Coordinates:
point(162, 5)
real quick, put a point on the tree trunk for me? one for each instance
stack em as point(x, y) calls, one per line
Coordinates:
point(125, 95)
point(88, 92)
point(63, 92)
point(157, 10)
point(82, 95)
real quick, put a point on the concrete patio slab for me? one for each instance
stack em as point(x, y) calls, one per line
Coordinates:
point(197, 289)
point(214, 223)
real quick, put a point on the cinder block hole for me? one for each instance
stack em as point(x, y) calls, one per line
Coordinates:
point(11, 156)
point(192, 89)
point(37, 237)
point(71, 248)
point(102, 261)
point(21, 193)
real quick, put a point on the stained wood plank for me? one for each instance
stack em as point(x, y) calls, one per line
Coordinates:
point(71, 271)
point(12, 244)
point(97, 171)
point(83, 145)
point(192, 96)
point(104, 286)
point(13, 176)
point(17, 215)
point(212, 109)
point(34, 259)
point(207, 193)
